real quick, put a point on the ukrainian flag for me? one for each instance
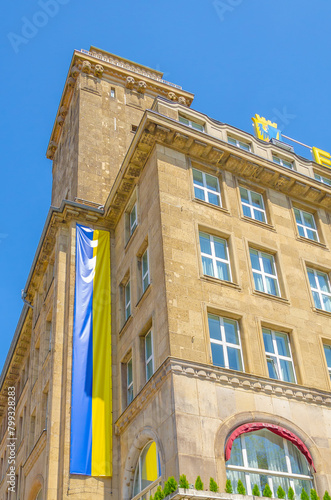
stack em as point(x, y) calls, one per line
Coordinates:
point(91, 405)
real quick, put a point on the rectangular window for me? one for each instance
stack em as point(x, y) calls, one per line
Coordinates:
point(225, 342)
point(282, 162)
point(127, 300)
point(215, 257)
point(306, 224)
point(320, 288)
point(145, 270)
point(133, 218)
point(206, 187)
point(129, 382)
point(149, 360)
point(327, 351)
point(112, 92)
point(240, 144)
point(264, 272)
point(191, 123)
point(279, 356)
point(322, 179)
point(252, 204)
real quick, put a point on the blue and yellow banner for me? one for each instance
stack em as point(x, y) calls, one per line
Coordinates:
point(91, 403)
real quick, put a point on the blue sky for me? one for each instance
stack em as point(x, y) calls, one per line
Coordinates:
point(239, 57)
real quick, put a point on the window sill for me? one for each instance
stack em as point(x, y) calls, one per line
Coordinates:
point(265, 225)
point(144, 295)
point(128, 243)
point(210, 205)
point(272, 297)
point(312, 242)
point(321, 311)
point(211, 279)
point(125, 326)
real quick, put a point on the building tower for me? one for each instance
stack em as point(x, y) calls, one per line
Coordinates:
point(220, 303)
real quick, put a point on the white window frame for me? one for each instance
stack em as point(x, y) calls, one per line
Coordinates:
point(213, 256)
point(133, 224)
point(264, 274)
point(278, 356)
point(322, 179)
point(245, 146)
point(317, 288)
point(303, 226)
point(226, 344)
point(143, 276)
point(191, 123)
point(112, 92)
point(249, 470)
point(127, 303)
point(151, 488)
point(326, 346)
point(150, 359)
point(129, 385)
point(205, 188)
point(250, 204)
point(284, 163)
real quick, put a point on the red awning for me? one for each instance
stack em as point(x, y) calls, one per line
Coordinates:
point(276, 429)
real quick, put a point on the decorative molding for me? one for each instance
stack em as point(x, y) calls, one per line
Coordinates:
point(88, 63)
point(159, 129)
point(22, 349)
point(221, 376)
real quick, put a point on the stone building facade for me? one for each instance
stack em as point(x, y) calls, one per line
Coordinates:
point(221, 298)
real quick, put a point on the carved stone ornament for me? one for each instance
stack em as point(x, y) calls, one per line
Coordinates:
point(98, 70)
point(74, 71)
point(182, 100)
point(86, 67)
point(63, 111)
point(60, 120)
point(129, 82)
point(51, 150)
point(142, 86)
point(172, 96)
point(71, 82)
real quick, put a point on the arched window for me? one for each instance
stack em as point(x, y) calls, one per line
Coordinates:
point(266, 456)
point(40, 495)
point(147, 475)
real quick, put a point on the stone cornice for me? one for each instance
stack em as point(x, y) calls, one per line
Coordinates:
point(155, 129)
point(13, 364)
point(147, 392)
point(102, 65)
point(57, 217)
point(220, 376)
point(35, 453)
